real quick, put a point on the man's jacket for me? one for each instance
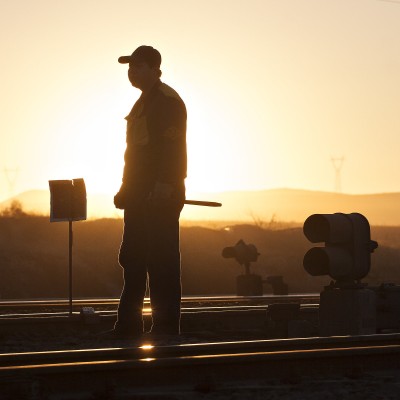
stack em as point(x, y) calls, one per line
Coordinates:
point(155, 142)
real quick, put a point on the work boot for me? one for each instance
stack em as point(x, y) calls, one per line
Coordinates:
point(160, 338)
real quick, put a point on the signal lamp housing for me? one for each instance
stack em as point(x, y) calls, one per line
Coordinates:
point(243, 253)
point(346, 256)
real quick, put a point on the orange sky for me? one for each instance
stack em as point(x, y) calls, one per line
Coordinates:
point(274, 90)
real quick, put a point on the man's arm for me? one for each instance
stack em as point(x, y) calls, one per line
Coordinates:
point(172, 163)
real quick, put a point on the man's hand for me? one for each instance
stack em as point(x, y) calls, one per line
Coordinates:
point(119, 200)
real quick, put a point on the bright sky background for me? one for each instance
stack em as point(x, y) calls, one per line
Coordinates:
point(274, 89)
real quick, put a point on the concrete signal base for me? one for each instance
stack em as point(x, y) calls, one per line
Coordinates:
point(347, 311)
point(249, 285)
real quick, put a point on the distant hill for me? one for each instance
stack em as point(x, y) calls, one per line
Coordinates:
point(261, 207)
point(38, 201)
point(296, 205)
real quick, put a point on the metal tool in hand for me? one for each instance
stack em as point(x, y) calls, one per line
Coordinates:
point(203, 203)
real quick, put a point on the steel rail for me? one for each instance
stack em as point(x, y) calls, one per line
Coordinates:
point(18, 304)
point(200, 367)
point(146, 311)
point(146, 351)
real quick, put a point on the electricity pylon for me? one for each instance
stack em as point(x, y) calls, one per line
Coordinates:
point(337, 165)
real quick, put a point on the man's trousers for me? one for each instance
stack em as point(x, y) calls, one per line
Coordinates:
point(150, 250)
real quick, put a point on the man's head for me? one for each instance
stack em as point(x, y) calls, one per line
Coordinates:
point(144, 67)
point(147, 54)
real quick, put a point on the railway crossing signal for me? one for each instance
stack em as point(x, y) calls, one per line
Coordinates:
point(346, 256)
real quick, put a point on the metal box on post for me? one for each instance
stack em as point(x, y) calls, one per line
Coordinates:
point(68, 203)
point(67, 200)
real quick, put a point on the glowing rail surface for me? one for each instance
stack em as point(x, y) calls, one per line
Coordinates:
point(7, 304)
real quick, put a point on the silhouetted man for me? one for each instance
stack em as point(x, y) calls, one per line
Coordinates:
point(152, 196)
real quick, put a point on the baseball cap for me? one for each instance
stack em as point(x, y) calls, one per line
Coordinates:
point(146, 54)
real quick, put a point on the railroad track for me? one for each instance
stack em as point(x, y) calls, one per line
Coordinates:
point(200, 363)
point(216, 318)
point(215, 314)
point(191, 365)
point(55, 305)
point(146, 311)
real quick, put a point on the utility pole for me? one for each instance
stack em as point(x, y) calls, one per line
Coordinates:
point(337, 165)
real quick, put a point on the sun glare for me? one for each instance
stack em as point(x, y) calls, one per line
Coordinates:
point(93, 149)
point(97, 145)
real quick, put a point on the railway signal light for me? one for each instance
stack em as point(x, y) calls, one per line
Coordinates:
point(243, 253)
point(247, 284)
point(346, 256)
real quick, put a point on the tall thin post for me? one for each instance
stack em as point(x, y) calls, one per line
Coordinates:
point(70, 268)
